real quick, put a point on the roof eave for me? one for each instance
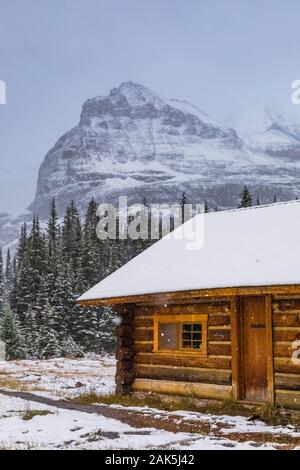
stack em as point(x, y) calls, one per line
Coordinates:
point(161, 297)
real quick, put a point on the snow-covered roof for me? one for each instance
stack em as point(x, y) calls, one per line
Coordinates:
point(257, 246)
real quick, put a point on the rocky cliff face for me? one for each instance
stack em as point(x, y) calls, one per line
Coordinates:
point(134, 143)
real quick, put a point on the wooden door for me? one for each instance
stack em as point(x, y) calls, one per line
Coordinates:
point(254, 349)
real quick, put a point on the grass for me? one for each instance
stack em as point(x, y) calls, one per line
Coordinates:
point(29, 414)
point(268, 413)
point(152, 401)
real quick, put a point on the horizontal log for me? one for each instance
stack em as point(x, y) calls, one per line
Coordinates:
point(219, 319)
point(143, 346)
point(283, 349)
point(286, 319)
point(190, 309)
point(184, 361)
point(292, 304)
point(143, 334)
point(286, 334)
point(143, 321)
point(286, 365)
point(192, 389)
point(287, 381)
point(144, 311)
point(219, 348)
point(188, 374)
point(287, 398)
point(219, 335)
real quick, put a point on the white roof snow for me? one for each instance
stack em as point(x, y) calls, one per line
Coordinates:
point(244, 247)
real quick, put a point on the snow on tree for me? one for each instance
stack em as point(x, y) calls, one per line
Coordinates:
point(49, 344)
point(2, 283)
point(31, 333)
point(11, 335)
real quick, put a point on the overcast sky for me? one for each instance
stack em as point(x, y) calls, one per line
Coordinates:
point(223, 56)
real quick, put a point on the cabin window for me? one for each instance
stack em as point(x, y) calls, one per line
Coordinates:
point(180, 334)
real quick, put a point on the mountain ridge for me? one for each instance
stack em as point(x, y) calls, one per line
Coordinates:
point(133, 142)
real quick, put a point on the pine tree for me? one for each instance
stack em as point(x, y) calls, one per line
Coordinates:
point(69, 348)
point(257, 201)
point(49, 345)
point(183, 202)
point(8, 274)
point(90, 256)
point(11, 335)
point(206, 209)
point(246, 198)
point(53, 249)
point(2, 283)
point(106, 328)
point(22, 245)
point(71, 237)
point(31, 333)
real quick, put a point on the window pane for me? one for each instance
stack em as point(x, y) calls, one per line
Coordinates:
point(197, 336)
point(187, 327)
point(167, 336)
point(197, 327)
point(192, 335)
point(186, 336)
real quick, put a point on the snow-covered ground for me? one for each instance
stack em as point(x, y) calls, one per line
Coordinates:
point(60, 378)
point(68, 429)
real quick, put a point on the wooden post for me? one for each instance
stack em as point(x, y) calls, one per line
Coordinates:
point(125, 373)
point(270, 352)
point(235, 346)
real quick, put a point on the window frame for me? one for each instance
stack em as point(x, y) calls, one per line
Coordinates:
point(180, 320)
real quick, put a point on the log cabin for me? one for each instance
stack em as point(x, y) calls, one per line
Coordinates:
point(219, 322)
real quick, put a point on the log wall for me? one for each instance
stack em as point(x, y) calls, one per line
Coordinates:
point(138, 368)
point(213, 370)
point(286, 330)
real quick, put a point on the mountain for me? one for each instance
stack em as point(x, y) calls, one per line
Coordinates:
point(133, 142)
point(271, 132)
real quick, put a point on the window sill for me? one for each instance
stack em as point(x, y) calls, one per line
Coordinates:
point(179, 352)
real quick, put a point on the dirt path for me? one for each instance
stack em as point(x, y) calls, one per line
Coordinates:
point(160, 420)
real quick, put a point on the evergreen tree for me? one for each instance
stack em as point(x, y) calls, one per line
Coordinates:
point(206, 209)
point(8, 274)
point(53, 250)
point(69, 348)
point(257, 201)
point(71, 237)
point(22, 245)
point(31, 333)
point(106, 328)
point(246, 198)
point(49, 345)
point(11, 335)
point(183, 202)
point(2, 283)
point(90, 256)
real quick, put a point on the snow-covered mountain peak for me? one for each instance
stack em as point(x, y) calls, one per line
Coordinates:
point(137, 95)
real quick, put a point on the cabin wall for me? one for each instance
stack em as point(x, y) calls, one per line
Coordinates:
point(140, 369)
point(208, 377)
point(286, 330)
